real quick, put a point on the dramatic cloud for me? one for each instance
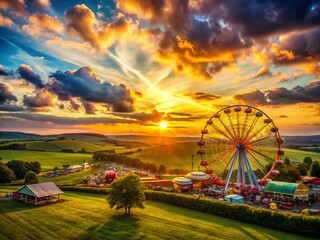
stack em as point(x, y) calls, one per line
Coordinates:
point(41, 24)
point(6, 95)
point(204, 96)
point(309, 93)
point(298, 47)
point(42, 99)
point(14, 7)
point(85, 84)
point(255, 98)
point(81, 22)
point(27, 74)
point(259, 18)
point(4, 21)
point(39, 5)
point(10, 108)
point(65, 120)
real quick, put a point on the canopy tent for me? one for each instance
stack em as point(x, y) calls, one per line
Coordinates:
point(39, 191)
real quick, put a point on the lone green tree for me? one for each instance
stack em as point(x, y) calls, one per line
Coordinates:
point(315, 169)
point(308, 162)
point(162, 169)
point(31, 178)
point(6, 174)
point(126, 192)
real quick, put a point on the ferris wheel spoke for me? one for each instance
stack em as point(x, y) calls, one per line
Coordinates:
point(221, 132)
point(261, 154)
point(256, 141)
point(255, 133)
point(221, 155)
point(244, 125)
point(232, 127)
point(251, 127)
point(231, 136)
point(257, 162)
point(225, 168)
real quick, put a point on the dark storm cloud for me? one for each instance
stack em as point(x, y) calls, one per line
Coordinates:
point(305, 46)
point(10, 108)
point(204, 96)
point(4, 72)
point(258, 18)
point(6, 95)
point(307, 94)
point(64, 120)
point(84, 83)
point(27, 74)
point(254, 97)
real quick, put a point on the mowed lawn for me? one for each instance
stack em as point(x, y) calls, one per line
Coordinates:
point(87, 216)
point(48, 160)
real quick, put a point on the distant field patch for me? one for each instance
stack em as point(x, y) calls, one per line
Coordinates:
point(48, 160)
point(298, 155)
point(87, 216)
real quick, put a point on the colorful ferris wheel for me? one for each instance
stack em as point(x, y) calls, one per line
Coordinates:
point(240, 146)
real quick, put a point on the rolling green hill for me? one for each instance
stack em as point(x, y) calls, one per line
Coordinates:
point(87, 216)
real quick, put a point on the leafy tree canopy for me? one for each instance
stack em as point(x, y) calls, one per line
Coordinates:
point(126, 192)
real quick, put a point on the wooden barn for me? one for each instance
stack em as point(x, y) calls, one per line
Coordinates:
point(39, 193)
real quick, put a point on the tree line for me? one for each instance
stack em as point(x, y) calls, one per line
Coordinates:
point(134, 162)
point(17, 169)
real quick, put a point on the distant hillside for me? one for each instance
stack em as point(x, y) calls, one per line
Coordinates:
point(18, 135)
point(290, 141)
point(100, 139)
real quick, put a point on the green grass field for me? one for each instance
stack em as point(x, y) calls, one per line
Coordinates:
point(87, 216)
point(298, 156)
point(48, 160)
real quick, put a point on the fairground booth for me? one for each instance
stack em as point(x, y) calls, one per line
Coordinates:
point(39, 193)
point(200, 180)
point(182, 184)
point(286, 191)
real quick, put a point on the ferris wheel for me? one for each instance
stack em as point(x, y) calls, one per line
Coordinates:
point(240, 145)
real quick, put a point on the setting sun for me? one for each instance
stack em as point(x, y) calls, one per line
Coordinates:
point(163, 125)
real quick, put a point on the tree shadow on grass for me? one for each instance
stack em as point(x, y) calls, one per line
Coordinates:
point(9, 206)
point(118, 227)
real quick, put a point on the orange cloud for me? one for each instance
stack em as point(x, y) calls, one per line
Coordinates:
point(82, 23)
point(17, 6)
point(4, 21)
point(263, 71)
point(281, 54)
point(41, 23)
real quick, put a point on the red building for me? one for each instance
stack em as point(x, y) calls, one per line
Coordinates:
point(310, 181)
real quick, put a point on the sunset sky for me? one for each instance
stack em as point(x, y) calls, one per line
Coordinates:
point(155, 66)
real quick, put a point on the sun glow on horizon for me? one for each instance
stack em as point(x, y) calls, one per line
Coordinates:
point(163, 125)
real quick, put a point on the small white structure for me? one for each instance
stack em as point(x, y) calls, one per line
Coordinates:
point(182, 184)
point(199, 180)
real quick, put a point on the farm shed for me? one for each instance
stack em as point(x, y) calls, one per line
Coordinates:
point(286, 190)
point(39, 192)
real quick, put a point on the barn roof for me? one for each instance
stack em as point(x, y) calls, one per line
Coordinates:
point(281, 187)
point(41, 189)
